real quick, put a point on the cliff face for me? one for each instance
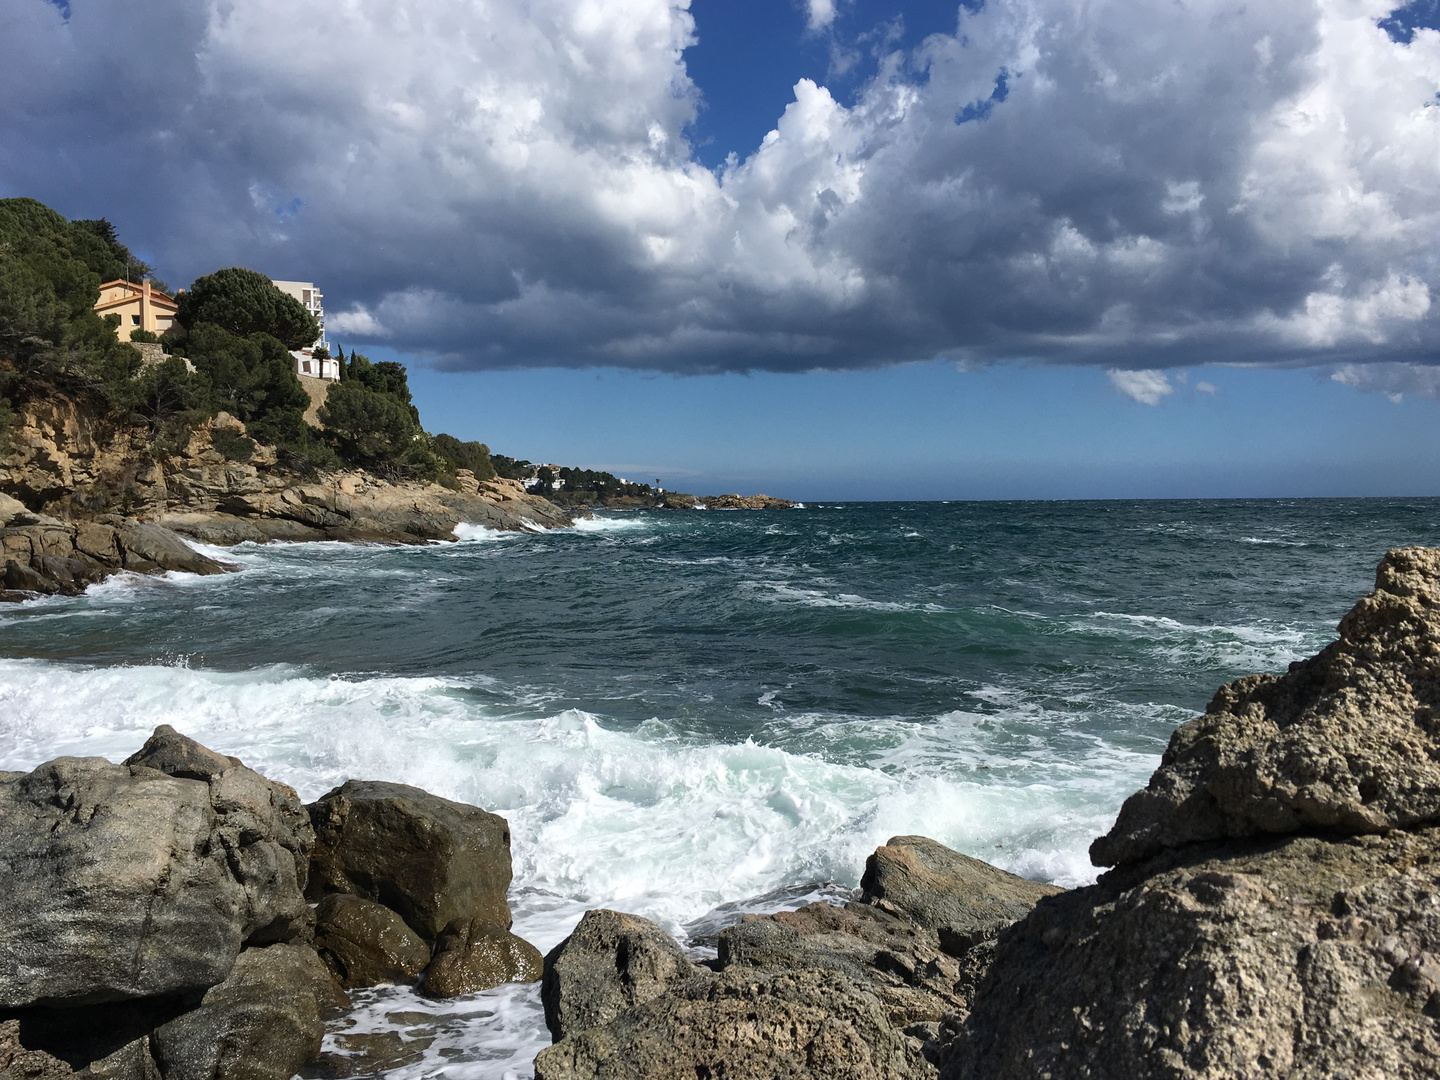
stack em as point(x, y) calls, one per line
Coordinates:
point(222, 487)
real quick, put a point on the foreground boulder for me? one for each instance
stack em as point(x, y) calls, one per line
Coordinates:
point(611, 962)
point(428, 859)
point(860, 991)
point(1301, 957)
point(122, 881)
point(1345, 741)
point(366, 944)
point(263, 1022)
point(964, 900)
point(742, 1025)
point(1275, 910)
point(475, 954)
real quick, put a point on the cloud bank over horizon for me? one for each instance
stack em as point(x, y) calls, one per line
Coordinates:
point(1133, 186)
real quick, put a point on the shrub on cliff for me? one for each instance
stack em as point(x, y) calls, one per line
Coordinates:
point(474, 456)
point(245, 302)
point(366, 424)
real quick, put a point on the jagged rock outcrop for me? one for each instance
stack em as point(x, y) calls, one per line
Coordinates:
point(745, 502)
point(112, 497)
point(964, 900)
point(742, 1025)
point(622, 1000)
point(1301, 958)
point(1347, 741)
point(1275, 910)
point(610, 962)
point(366, 944)
point(475, 954)
point(428, 859)
point(122, 881)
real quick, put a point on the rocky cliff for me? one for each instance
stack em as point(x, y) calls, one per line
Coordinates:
point(100, 498)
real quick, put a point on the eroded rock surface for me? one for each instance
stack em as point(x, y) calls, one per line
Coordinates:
point(1301, 958)
point(475, 954)
point(964, 900)
point(611, 962)
point(742, 1025)
point(428, 859)
point(1347, 741)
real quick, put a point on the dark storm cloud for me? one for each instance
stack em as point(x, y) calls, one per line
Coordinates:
point(1120, 183)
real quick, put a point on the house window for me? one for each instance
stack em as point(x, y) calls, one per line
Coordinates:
point(134, 320)
point(307, 365)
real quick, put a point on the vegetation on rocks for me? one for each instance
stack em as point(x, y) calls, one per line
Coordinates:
point(236, 330)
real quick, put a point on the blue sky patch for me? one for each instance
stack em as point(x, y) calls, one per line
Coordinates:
point(980, 110)
point(1402, 23)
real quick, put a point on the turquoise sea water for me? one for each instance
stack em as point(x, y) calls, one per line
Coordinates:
point(681, 713)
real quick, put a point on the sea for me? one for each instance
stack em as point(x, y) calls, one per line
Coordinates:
point(691, 715)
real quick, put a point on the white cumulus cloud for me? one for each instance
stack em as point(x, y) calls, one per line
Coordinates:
point(511, 183)
point(1147, 386)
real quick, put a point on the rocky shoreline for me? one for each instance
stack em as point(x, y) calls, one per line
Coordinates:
point(1272, 908)
point(79, 502)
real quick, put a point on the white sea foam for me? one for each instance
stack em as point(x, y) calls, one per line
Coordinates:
point(465, 531)
point(604, 523)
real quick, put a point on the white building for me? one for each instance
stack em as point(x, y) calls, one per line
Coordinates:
point(306, 362)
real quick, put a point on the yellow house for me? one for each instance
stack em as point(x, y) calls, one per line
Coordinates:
point(139, 306)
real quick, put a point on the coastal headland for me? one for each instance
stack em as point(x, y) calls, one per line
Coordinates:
point(1270, 910)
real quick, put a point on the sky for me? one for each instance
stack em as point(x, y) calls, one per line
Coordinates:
point(824, 248)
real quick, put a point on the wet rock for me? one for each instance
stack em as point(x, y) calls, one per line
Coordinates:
point(148, 546)
point(965, 900)
point(428, 859)
point(1345, 741)
point(21, 577)
point(264, 1022)
point(743, 1025)
point(122, 881)
point(100, 1042)
point(747, 502)
point(1303, 957)
point(475, 954)
point(72, 576)
point(611, 962)
point(366, 944)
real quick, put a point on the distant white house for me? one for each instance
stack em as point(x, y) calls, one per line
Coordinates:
point(534, 478)
point(306, 362)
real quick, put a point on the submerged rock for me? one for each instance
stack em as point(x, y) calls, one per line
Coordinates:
point(611, 962)
point(743, 1025)
point(366, 944)
point(428, 859)
point(964, 900)
point(1348, 740)
point(475, 954)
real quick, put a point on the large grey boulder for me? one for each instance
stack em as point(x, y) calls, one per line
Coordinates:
point(428, 859)
point(261, 826)
point(743, 1025)
point(121, 881)
point(611, 962)
point(964, 900)
point(1345, 741)
point(366, 944)
point(264, 1022)
point(474, 954)
point(148, 547)
point(1303, 958)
